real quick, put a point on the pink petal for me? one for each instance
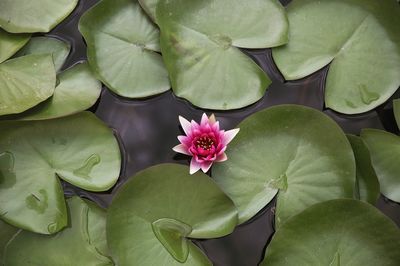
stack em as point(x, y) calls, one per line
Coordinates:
point(194, 166)
point(221, 158)
point(204, 120)
point(206, 166)
point(180, 148)
point(212, 119)
point(186, 126)
point(229, 135)
point(185, 140)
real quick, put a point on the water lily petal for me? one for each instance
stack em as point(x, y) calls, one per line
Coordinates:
point(206, 166)
point(185, 140)
point(229, 135)
point(186, 125)
point(222, 157)
point(194, 166)
point(204, 120)
point(181, 148)
point(212, 119)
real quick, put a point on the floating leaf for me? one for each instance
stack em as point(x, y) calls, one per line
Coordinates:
point(6, 233)
point(152, 215)
point(47, 45)
point(71, 246)
point(199, 41)
point(337, 232)
point(344, 33)
point(150, 7)
point(297, 150)
point(25, 82)
point(77, 91)
point(122, 48)
point(384, 148)
point(367, 184)
point(79, 149)
point(11, 43)
point(19, 16)
point(396, 110)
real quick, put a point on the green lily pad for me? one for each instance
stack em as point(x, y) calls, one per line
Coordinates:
point(25, 82)
point(77, 91)
point(11, 43)
point(123, 46)
point(79, 149)
point(156, 211)
point(384, 148)
point(337, 232)
point(150, 7)
point(396, 110)
point(367, 184)
point(72, 246)
point(47, 45)
point(6, 233)
point(343, 33)
point(199, 41)
point(295, 150)
point(19, 16)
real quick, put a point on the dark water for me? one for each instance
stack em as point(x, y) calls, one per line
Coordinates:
point(147, 129)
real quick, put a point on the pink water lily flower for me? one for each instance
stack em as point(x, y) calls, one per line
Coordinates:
point(206, 143)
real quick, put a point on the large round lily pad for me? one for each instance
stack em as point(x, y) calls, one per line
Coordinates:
point(359, 38)
point(77, 91)
point(47, 45)
point(153, 215)
point(199, 41)
point(384, 148)
point(72, 246)
point(11, 43)
point(25, 82)
point(295, 150)
point(79, 149)
point(367, 184)
point(337, 232)
point(123, 46)
point(33, 15)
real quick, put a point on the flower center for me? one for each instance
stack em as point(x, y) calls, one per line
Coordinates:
point(206, 143)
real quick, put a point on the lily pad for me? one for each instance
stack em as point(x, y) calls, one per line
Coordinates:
point(19, 16)
point(396, 110)
point(77, 91)
point(199, 41)
point(25, 82)
point(11, 43)
point(295, 150)
point(79, 149)
point(384, 148)
point(150, 7)
point(337, 232)
point(123, 46)
point(72, 246)
point(367, 184)
point(156, 211)
point(343, 33)
point(6, 233)
point(47, 45)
